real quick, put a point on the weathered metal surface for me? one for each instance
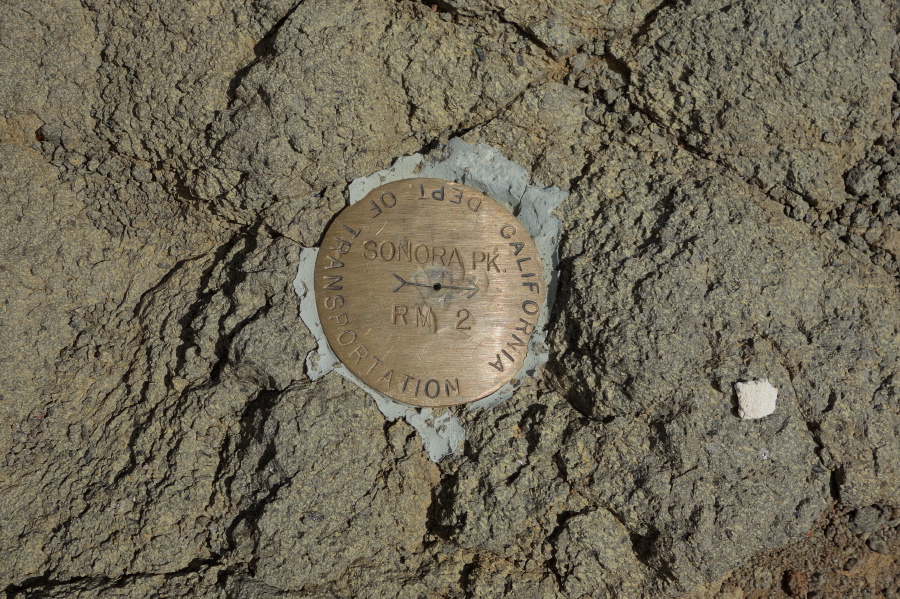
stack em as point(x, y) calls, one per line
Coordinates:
point(428, 291)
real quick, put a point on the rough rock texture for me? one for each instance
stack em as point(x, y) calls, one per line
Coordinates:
point(785, 101)
point(733, 214)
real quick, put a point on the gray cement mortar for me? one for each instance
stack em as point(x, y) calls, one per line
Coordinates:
point(483, 168)
point(731, 213)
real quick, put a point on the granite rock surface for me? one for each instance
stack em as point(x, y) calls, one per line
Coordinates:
point(733, 214)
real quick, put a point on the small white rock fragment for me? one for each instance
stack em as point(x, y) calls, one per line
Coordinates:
point(756, 399)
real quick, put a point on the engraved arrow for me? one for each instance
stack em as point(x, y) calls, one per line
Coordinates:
point(437, 286)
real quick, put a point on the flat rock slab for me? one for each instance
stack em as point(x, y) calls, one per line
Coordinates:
point(731, 214)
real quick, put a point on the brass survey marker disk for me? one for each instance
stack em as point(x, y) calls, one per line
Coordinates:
point(428, 291)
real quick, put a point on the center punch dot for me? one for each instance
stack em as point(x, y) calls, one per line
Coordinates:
point(436, 286)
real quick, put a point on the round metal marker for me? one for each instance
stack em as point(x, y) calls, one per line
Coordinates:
point(428, 291)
